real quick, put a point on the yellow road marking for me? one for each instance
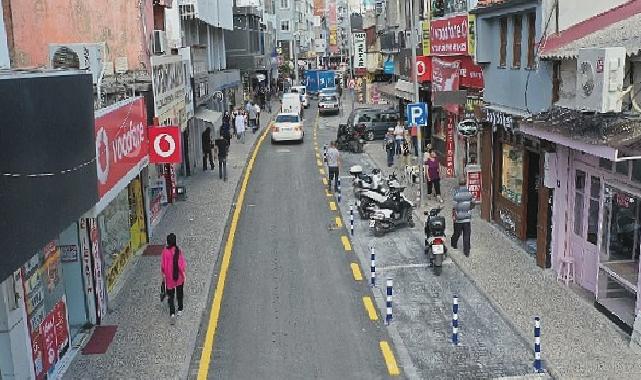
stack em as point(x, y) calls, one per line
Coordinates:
point(332, 206)
point(390, 361)
point(356, 271)
point(210, 335)
point(318, 155)
point(324, 181)
point(321, 171)
point(319, 163)
point(371, 310)
point(328, 194)
point(346, 243)
point(339, 222)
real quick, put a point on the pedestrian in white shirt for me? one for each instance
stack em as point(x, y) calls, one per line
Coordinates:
point(241, 123)
point(257, 109)
point(399, 136)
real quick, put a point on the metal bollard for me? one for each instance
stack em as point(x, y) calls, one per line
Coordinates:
point(373, 265)
point(388, 316)
point(325, 153)
point(418, 198)
point(351, 219)
point(455, 321)
point(339, 188)
point(538, 367)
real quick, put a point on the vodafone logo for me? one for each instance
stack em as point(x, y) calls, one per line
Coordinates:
point(164, 145)
point(102, 155)
point(421, 68)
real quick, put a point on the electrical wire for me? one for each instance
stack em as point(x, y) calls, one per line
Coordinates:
point(48, 174)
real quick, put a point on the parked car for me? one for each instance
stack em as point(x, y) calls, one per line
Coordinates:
point(376, 121)
point(292, 104)
point(303, 94)
point(329, 91)
point(328, 104)
point(287, 127)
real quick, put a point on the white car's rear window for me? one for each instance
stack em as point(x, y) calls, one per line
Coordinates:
point(287, 119)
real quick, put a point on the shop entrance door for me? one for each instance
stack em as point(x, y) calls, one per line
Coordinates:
point(533, 183)
point(584, 227)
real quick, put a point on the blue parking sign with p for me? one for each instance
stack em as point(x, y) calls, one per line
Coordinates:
point(416, 113)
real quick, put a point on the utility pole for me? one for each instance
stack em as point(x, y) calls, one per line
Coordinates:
point(296, 58)
point(419, 129)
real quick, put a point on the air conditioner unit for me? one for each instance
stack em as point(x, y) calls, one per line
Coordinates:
point(599, 79)
point(82, 56)
point(159, 45)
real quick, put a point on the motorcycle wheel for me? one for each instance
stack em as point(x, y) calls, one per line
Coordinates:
point(437, 270)
point(438, 265)
point(378, 229)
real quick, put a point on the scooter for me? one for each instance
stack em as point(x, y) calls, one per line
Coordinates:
point(435, 240)
point(395, 212)
point(368, 201)
point(364, 182)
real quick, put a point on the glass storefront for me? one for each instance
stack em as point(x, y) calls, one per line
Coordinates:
point(512, 174)
point(122, 227)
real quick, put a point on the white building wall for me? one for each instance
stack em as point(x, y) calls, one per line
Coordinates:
point(15, 344)
point(572, 12)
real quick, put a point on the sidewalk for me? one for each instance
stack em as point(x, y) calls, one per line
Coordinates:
point(146, 346)
point(577, 340)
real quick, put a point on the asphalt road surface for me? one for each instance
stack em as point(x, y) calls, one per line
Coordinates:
point(291, 307)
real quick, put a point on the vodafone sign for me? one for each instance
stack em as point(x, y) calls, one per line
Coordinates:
point(121, 142)
point(424, 68)
point(164, 145)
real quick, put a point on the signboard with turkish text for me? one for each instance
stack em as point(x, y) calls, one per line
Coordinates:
point(449, 148)
point(425, 25)
point(470, 74)
point(449, 36)
point(359, 51)
point(168, 81)
point(121, 143)
point(474, 184)
point(165, 145)
point(445, 78)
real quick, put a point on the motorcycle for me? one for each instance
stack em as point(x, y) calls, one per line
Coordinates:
point(370, 200)
point(435, 239)
point(395, 212)
point(364, 182)
point(350, 138)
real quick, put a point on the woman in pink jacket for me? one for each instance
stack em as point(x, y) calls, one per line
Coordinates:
point(173, 267)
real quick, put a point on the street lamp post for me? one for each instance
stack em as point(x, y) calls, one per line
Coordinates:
point(419, 129)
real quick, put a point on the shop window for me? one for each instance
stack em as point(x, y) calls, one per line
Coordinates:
point(623, 241)
point(579, 199)
point(593, 210)
point(531, 40)
point(503, 42)
point(512, 174)
point(623, 167)
point(516, 41)
point(636, 171)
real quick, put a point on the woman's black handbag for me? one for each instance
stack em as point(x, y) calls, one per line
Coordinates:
point(163, 291)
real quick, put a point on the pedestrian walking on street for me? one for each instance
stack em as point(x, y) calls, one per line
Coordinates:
point(257, 110)
point(222, 149)
point(407, 159)
point(206, 144)
point(433, 175)
point(173, 267)
point(333, 165)
point(268, 100)
point(399, 135)
point(251, 114)
point(462, 215)
point(225, 128)
point(240, 127)
point(389, 145)
point(414, 136)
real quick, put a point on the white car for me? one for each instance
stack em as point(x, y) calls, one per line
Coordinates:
point(302, 91)
point(287, 127)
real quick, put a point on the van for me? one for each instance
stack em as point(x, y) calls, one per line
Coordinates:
point(291, 104)
point(377, 121)
point(303, 94)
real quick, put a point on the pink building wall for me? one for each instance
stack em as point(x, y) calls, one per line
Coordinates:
point(124, 25)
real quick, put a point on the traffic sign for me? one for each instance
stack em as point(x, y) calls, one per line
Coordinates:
point(164, 145)
point(416, 113)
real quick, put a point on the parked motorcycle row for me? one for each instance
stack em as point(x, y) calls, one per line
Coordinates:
point(381, 201)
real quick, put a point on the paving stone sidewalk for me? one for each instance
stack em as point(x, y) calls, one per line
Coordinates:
point(146, 346)
point(578, 342)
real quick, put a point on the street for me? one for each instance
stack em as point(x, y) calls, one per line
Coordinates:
point(291, 307)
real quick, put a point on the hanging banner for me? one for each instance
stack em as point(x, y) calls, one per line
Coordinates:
point(445, 75)
point(449, 36)
point(426, 37)
point(449, 148)
point(388, 67)
point(359, 51)
point(121, 143)
point(470, 74)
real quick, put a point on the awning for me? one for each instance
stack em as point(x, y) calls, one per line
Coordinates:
point(391, 89)
point(601, 151)
point(209, 116)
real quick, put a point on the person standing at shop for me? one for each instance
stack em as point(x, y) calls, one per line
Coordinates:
point(389, 145)
point(462, 215)
point(433, 175)
point(206, 144)
point(222, 149)
point(173, 267)
point(399, 136)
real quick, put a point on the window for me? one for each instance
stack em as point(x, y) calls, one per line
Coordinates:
point(284, 26)
point(605, 163)
point(622, 167)
point(503, 42)
point(593, 211)
point(512, 174)
point(283, 118)
point(516, 41)
point(579, 199)
point(531, 40)
point(284, 3)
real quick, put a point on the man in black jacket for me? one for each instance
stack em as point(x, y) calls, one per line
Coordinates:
point(206, 143)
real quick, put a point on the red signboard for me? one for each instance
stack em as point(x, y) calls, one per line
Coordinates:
point(164, 145)
point(445, 75)
point(449, 148)
point(470, 75)
point(449, 36)
point(424, 68)
point(474, 184)
point(121, 143)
